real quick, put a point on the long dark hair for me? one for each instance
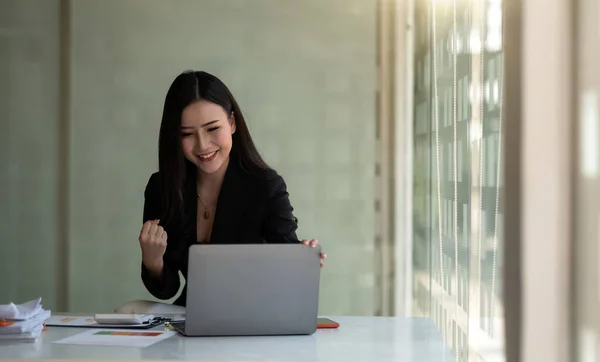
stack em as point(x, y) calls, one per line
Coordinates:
point(175, 169)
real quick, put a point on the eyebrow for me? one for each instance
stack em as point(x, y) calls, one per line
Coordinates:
point(204, 125)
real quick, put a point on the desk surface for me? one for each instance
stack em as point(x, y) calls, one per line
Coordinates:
point(358, 339)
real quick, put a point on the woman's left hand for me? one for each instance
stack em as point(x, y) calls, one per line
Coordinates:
point(313, 243)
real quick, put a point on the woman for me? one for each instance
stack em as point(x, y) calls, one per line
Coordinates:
point(212, 185)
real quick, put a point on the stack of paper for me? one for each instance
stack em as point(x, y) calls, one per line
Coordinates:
point(22, 322)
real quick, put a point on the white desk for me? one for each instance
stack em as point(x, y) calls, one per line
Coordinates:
point(364, 339)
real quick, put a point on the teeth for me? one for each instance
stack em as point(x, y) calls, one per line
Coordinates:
point(208, 155)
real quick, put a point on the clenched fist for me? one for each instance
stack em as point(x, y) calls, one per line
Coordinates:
point(153, 241)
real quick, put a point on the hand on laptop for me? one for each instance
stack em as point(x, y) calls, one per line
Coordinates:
point(313, 243)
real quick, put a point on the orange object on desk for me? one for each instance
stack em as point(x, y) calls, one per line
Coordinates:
point(326, 323)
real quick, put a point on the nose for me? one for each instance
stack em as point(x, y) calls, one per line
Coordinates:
point(202, 142)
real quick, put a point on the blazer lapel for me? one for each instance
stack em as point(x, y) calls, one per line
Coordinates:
point(229, 210)
point(188, 223)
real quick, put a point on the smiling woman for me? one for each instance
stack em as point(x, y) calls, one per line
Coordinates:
point(212, 185)
point(204, 141)
point(200, 116)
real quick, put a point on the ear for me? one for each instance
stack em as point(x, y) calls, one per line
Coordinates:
point(232, 122)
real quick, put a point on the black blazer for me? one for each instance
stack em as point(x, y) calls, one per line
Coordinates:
point(250, 209)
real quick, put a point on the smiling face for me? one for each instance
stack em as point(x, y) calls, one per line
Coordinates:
point(206, 136)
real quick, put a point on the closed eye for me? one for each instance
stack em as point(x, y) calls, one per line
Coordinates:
point(186, 134)
point(212, 129)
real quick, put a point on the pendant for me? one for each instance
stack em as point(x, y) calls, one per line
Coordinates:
point(206, 215)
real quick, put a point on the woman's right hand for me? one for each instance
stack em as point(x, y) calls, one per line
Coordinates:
point(153, 241)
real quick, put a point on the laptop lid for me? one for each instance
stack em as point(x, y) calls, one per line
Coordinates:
point(252, 289)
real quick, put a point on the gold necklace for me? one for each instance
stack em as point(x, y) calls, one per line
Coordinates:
point(206, 211)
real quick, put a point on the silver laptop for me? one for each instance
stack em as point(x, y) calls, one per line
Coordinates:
point(251, 289)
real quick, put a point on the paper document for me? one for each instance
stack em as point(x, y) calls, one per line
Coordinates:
point(21, 312)
point(108, 337)
point(90, 322)
point(30, 336)
point(66, 321)
point(26, 326)
point(22, 322)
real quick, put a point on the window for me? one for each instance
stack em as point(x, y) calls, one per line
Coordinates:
point(457, 182)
